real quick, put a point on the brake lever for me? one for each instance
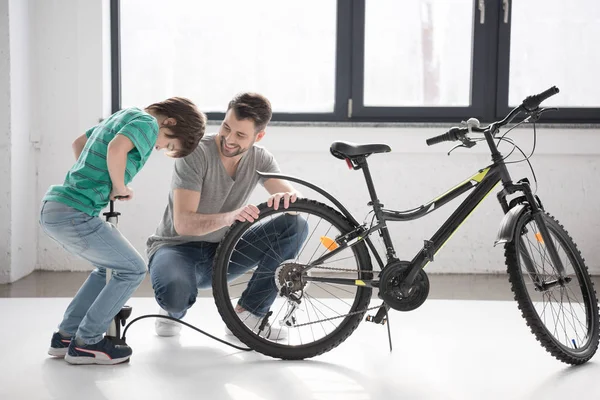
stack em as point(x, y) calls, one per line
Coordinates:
point(466, 143)
point(456, 147)
point(534, 116)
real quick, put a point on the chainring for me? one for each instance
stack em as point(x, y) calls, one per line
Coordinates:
point(390, 281)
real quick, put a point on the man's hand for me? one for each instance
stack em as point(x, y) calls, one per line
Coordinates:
point(125, 193)
point(288, 197)
point(248, 213)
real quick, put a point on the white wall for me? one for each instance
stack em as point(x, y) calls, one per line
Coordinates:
point(566, 163)
point(23, 160)
point(69, 94)
point(5, 181)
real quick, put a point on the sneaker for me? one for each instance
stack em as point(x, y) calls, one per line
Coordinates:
point(59, 345)
point(253, 322)
point(166, 327)
point(108, 351)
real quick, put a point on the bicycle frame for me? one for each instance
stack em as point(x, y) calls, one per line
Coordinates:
point(482, 183)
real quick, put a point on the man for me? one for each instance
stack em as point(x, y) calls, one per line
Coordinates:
point(209, 192)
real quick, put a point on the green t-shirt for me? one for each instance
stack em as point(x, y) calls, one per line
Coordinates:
point(87, 185)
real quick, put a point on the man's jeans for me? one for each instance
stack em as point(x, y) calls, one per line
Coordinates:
point(99, 242)
point(178, 271)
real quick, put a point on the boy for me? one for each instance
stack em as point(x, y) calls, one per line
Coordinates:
point(108, 157)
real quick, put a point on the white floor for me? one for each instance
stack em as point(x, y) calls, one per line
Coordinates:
point(444, 350)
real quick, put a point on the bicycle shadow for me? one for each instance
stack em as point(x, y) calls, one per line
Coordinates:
point(572, 380)
point(173, 370)
point(219, 374)
point(64, 381)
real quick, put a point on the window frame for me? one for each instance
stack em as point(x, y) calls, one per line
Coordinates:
point(489, 74)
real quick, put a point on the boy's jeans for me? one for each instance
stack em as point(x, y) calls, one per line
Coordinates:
point(99, 242)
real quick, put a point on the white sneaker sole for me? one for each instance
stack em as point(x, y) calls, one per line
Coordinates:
point(275, 338)
point(93, 360)
point(58, 352)
point(167, 330)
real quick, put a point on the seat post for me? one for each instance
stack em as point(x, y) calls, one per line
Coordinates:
point(377, 209)
point(362, 163)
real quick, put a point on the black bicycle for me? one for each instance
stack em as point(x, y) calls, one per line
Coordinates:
point(323, 292)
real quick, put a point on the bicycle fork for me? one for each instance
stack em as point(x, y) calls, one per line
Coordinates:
point(543, 237)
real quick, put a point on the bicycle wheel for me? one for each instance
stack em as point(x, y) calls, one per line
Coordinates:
point(310, 317)
point(562, 316)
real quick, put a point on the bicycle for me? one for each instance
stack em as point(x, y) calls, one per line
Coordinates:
point(334, 279)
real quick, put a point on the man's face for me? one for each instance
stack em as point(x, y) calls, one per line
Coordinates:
point(237, 136)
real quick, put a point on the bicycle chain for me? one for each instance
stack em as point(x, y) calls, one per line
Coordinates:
point(339, 316)
point(348, 270)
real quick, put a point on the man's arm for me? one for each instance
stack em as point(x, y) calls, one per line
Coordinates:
point(278, 189)
point(187, 222)
point(78, 145)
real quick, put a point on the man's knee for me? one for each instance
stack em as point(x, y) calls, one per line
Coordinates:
point(174, 292)
point(174, 296)
point(173, 288)
point(301, 227)
point(293, 226)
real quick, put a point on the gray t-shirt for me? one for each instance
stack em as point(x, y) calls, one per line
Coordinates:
point(204, 172)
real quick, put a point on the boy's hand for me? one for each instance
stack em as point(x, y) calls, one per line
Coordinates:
point(125, 193)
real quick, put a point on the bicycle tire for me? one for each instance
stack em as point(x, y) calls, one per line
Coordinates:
point(549, 338)
point(265, 346)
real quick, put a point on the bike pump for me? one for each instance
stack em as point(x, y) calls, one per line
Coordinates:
point(114, 328)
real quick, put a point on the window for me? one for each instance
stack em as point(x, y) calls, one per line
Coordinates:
point(421, 56)
point(361, 60)
point(209, 51)
point(561, 52)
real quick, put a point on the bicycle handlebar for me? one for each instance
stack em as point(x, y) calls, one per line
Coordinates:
point(530, 104)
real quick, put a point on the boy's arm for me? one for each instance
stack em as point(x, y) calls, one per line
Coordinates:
point(187, 222)
point(116, 161)
point(78, 145)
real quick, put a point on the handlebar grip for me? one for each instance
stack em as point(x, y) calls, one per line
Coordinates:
point(449, 136)
point(533, 102)
point(437, 139)
point(547, 93)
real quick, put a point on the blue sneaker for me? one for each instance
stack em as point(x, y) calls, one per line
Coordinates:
point(59, 345)
point(108, 351)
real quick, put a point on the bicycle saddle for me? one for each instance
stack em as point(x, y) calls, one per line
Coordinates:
point(344, 150)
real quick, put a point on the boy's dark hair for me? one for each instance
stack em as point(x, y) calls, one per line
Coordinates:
point(253, 106)
point(191, 122)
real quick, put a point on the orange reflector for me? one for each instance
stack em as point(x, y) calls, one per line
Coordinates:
point(329, 243)
point(538, 236)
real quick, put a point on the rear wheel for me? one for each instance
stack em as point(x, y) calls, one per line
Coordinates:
point(563, 315)
point(310, 317)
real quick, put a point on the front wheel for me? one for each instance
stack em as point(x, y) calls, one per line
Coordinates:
point(260, 281)
point(562, 313)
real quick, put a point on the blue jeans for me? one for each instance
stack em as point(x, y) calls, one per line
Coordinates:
point(96, 303)
point(178, 271)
